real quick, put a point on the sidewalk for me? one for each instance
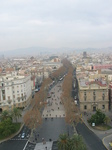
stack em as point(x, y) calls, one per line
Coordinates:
point(54, 108)
point(44, 146)
point(105, 136)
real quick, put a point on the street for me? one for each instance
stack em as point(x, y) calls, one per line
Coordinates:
point(52, 126)
point(91, 140)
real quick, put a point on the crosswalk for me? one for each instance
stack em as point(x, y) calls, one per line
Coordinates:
point(18, 139)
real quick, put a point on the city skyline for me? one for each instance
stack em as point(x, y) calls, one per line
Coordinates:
point(54, 24)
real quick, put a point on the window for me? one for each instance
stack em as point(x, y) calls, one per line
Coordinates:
point(13, 92)
point(85, 107)
point(3, 92)
point(8, 97)
point(13, 96)
point(7, 88)
point(103, 106)
point(103, 97)
point(4, 97)
point(85, 98)
point(94, 93)
point(94, 98)
point(17, 91)
point(84, 94)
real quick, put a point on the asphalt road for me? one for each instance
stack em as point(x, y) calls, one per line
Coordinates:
point(91, 140)
point(16, 143)
point(52, 128)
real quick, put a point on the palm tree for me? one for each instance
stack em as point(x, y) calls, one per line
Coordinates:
point(4, 115)
point(16, 113)
point(77, 143)
point(63, 142)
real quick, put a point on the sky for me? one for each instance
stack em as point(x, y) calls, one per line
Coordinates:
point(55, 23)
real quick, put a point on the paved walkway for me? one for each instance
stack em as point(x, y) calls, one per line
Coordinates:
point(54, 107)
point(44, 146)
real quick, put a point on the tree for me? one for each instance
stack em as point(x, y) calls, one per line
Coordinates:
point(7, 127)
point(33, 118)
point(72, 112)
point(97, 118)
point(107, 120)
point(77, 143)
point(73, 143)
point(63, 142)
point(16, 113)
point(5, 115)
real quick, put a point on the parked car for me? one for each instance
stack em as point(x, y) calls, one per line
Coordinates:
point(36, 90)
point(48, 96)
point(75, 97)
point(23, 135)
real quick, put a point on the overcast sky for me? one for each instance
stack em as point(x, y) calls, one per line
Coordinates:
point(55, 23)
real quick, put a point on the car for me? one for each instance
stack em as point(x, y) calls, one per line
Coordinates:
point(75, 97)
point(23, 135)
point(49, 96)
point(76, 102)
point(36, 90)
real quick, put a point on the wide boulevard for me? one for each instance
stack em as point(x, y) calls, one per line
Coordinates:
point(53, 125)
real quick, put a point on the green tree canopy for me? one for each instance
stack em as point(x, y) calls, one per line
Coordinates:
point(73, 143)
point(97, 118)
point(16, 113)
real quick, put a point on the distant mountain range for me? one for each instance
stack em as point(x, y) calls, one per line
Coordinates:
point(34, 51)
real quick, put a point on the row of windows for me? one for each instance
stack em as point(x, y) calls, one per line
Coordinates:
point(14, 96)
point(85, 107)
point(3, 84)
point(94, 94)
point(94, 98)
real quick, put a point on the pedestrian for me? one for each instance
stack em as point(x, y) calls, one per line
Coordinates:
point(46, 147)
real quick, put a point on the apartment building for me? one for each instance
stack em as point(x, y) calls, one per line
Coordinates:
point(93, 95)
point(15, 91)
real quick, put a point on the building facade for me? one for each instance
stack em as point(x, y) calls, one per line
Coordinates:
point(93, 95)
point(15, 91)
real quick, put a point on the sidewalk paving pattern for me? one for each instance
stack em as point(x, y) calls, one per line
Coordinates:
point(54, 108)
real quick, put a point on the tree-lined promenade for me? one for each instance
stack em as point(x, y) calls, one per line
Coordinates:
point(33, 115)
point(72, 113)
point(33, 118)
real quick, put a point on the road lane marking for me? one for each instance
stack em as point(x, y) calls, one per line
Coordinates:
point(25, 145)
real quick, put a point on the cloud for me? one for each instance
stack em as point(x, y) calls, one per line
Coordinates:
point(55, 23)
